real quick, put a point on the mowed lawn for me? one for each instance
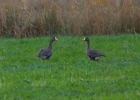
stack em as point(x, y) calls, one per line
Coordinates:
point(69, 74)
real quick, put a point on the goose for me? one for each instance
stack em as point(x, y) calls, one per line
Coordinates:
point(92, 54)
point(46, 53)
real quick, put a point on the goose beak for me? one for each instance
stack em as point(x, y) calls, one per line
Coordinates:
point(83, 39)
point(56, 39)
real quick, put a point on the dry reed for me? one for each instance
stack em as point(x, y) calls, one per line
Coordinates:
point(82, 17)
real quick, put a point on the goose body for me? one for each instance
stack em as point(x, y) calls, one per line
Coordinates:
point(92, 54)
point(47, 52)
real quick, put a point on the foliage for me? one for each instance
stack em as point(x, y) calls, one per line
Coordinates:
point(19, 19)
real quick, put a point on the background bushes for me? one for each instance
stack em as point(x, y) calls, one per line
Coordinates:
point(68, 17)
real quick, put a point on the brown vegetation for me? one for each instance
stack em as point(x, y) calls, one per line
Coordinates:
point(21, 18)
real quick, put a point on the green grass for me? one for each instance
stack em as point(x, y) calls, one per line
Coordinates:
point(69, 74)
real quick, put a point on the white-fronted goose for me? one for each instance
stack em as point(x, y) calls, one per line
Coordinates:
point(46, 53)
point(92, 54)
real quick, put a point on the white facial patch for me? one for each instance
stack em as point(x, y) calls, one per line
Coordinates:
point(56, 38)
point(84, 39)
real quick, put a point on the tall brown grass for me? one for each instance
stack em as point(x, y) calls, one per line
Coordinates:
point(67, 17)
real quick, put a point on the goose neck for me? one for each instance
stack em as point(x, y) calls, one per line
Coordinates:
point(88, 43)
point(50, 44)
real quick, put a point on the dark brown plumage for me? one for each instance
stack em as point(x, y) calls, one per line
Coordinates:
point(46, 53)
point(92, 54)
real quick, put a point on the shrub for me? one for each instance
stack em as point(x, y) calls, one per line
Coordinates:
point(86, 17)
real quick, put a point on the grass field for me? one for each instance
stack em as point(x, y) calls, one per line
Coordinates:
point(69, 75)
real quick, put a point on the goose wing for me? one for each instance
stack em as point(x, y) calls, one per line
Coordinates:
point(94, 53)
point(45, 53)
